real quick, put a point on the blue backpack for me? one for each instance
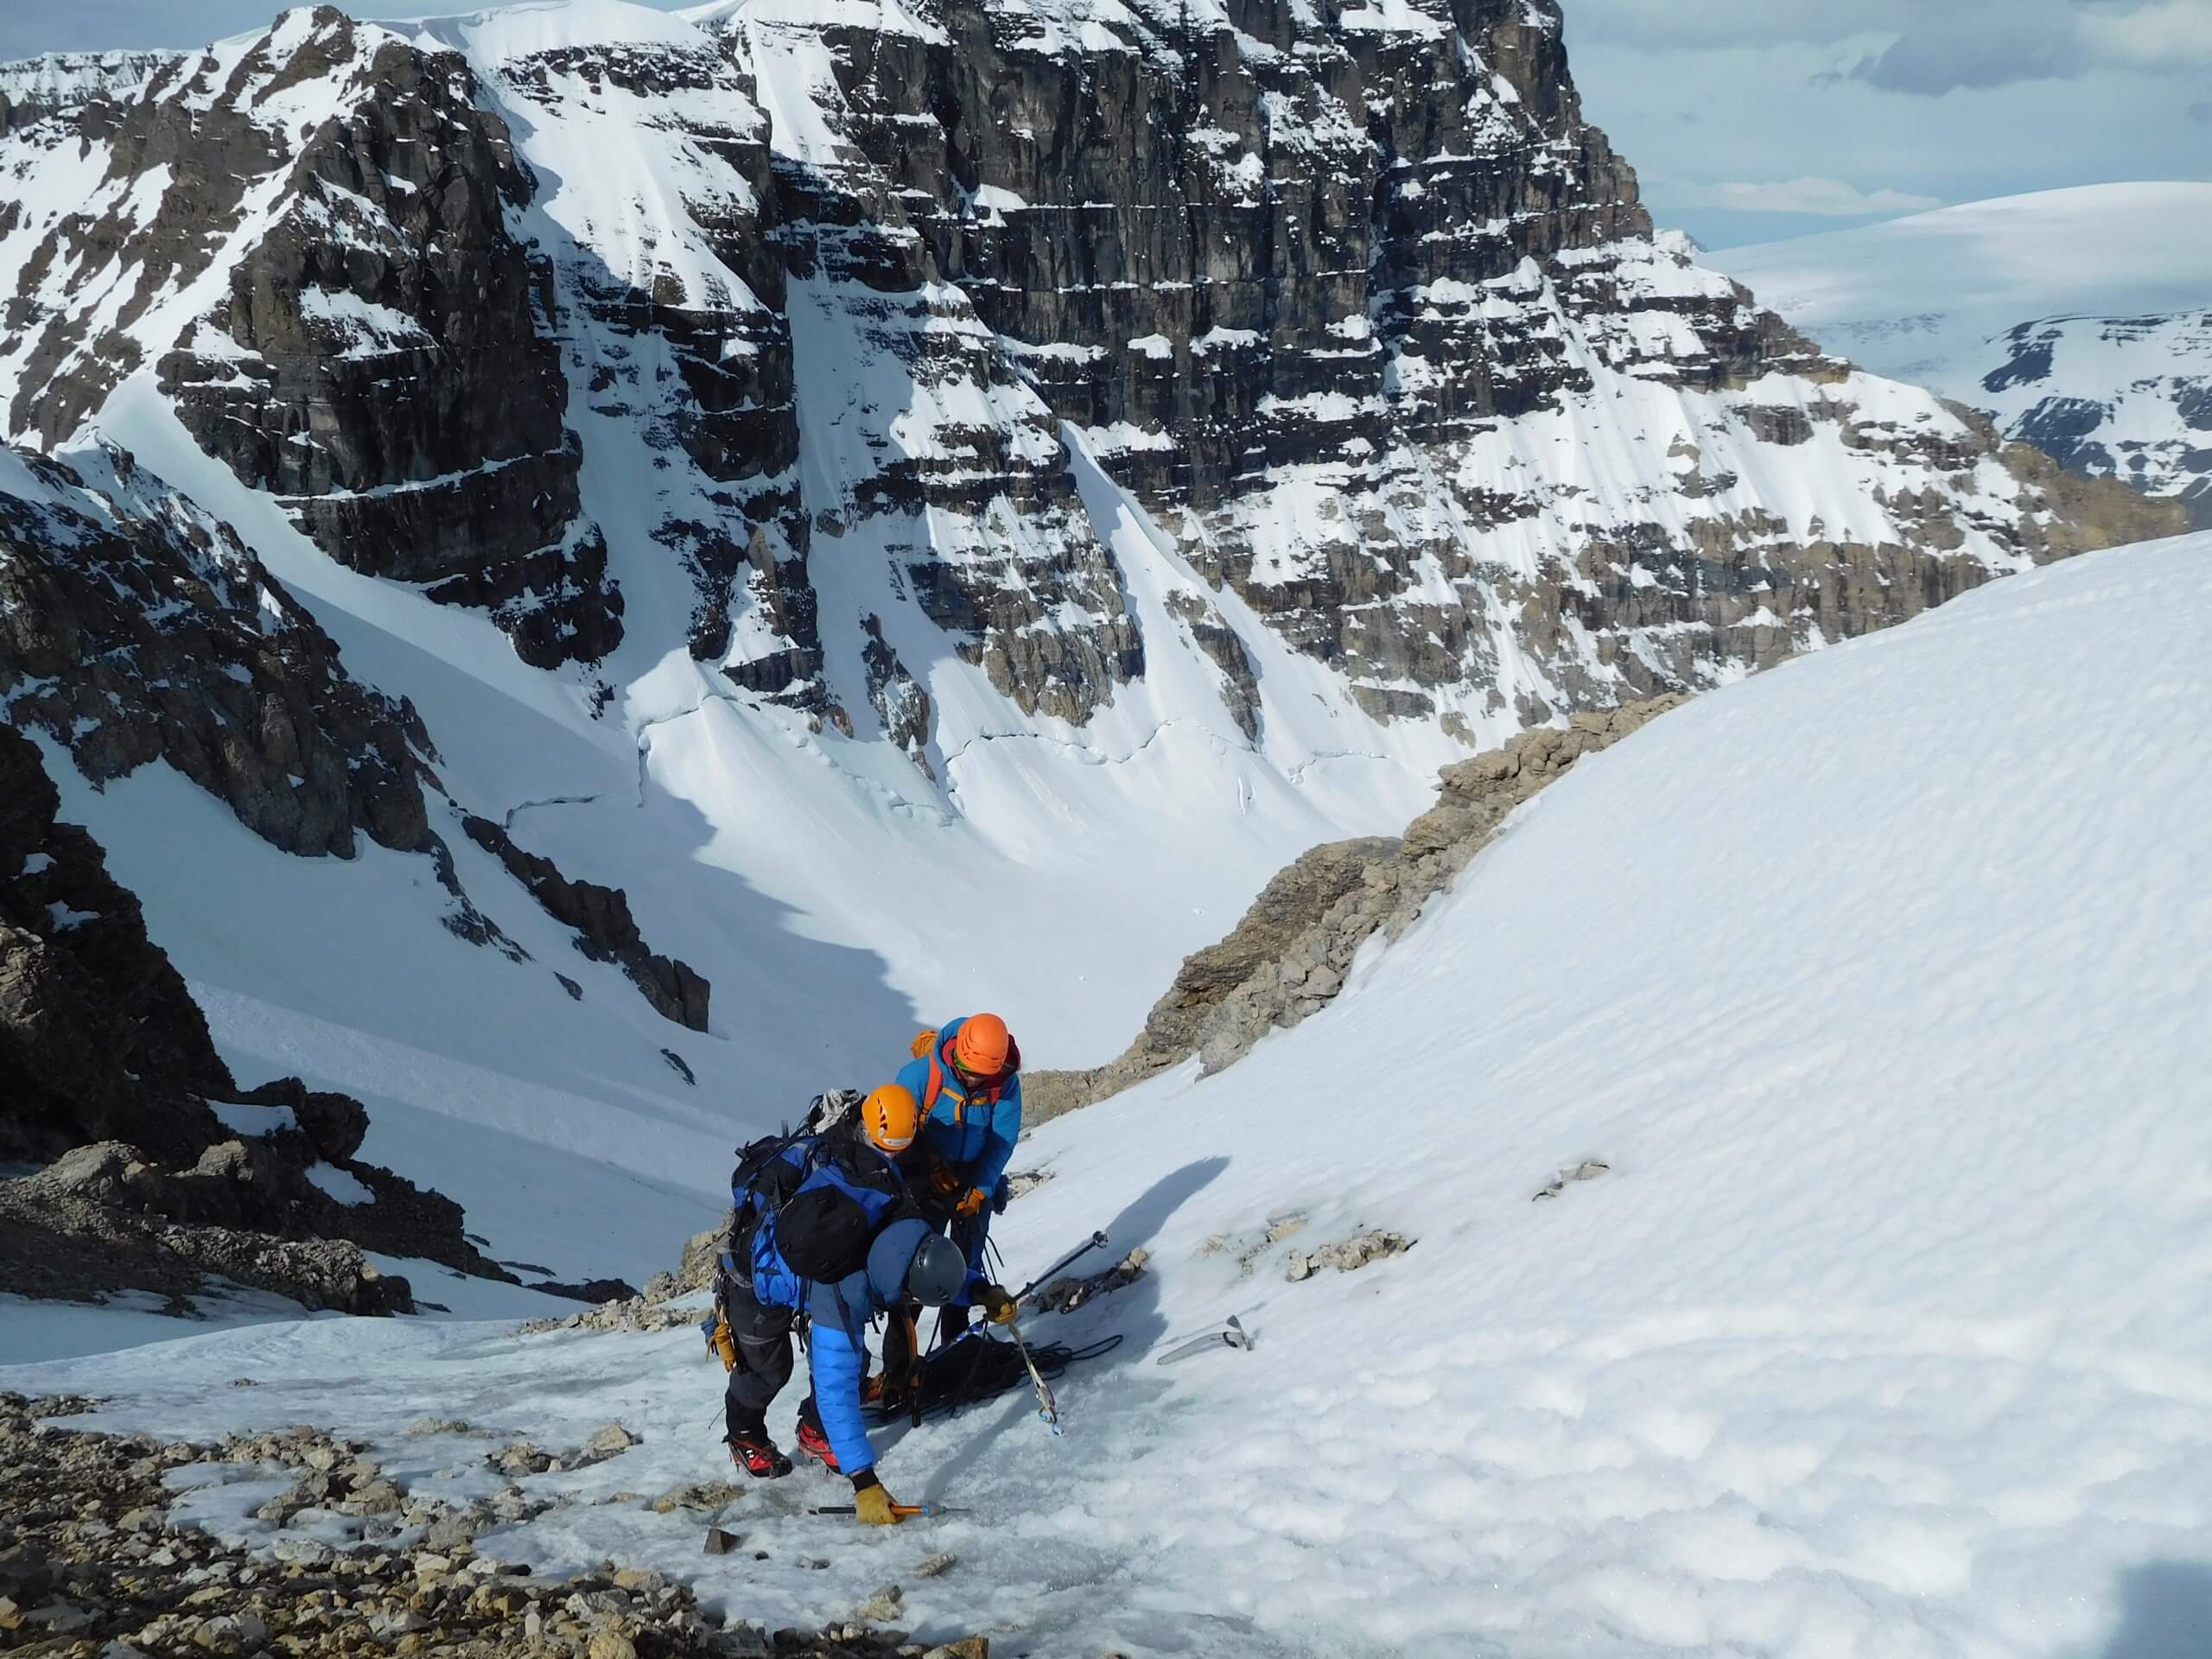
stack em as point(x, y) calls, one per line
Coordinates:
point(819, 1217)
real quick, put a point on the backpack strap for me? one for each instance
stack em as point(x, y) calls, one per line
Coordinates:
point(935, 1087)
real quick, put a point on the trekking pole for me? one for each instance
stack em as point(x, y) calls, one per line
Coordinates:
point(927, 1510)
point(1098, 1241)
point(1048, 1409)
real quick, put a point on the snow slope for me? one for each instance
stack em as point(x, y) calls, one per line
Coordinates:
point(2030, 308)
point(1883, 1333)
point(835, 898)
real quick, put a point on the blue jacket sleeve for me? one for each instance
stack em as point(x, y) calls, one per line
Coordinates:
point(998, 1147)
point(837, 1357)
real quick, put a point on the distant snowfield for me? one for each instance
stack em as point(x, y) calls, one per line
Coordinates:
point(1879, 980)
point(1917, 299)
point(2108, 286)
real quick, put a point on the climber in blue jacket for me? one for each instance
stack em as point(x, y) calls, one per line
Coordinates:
point(826, 1231)
point(967, 1078)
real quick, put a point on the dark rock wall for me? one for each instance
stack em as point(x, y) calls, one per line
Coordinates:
point(1298, 250)
point(605, 929)
point(99, 1040)
point(134, 627)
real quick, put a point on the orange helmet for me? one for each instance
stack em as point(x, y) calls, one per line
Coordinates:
point(890, 1116)
point(982, 1045)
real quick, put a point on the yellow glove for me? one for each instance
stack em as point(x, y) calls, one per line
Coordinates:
point(972, 1205)
point(997, 1306)
point(872, 1504)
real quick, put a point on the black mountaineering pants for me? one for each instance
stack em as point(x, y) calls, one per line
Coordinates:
point(763, 1338)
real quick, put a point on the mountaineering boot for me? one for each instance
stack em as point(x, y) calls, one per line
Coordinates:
point(758, 1456)
point(880, 1393)
point(815, 1443)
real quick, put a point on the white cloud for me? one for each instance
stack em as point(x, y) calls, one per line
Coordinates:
point(1977, 45)
point(1699, 25)
point(1753, 107)
point(1828, 198)
point(2171, 34)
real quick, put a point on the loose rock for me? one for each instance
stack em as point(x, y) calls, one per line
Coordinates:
point(1347, 1256)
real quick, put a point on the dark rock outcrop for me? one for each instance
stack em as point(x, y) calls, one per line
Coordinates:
point(57, 1244)
point(100, 1038)
point(333, 1125)
point(605, 929)
point(135, 627)
point(595, 1291)
point(260, 1182)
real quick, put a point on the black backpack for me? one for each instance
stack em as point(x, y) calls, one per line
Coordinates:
point(758, 1185)
point(821, 1215)
point(762, 1182)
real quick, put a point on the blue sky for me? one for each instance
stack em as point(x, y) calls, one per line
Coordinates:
point(1749, 120)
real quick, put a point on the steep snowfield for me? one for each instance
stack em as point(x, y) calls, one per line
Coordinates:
point(832, 894)
point(2074, 317)
point(1878, 983)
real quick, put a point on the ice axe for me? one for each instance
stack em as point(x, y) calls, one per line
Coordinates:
point(1048, 1409)
point(1097, 1241)
point(928, 1511)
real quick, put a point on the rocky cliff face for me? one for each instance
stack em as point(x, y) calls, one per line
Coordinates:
point(843, 304)
point(1370, 321)
point(304, 237)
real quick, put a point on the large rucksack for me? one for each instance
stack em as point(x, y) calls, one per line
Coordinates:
point(818, 1214)
point(763, 1179)
point(974, 1366)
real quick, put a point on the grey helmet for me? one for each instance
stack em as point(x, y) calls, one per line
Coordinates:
point(937, 1272)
